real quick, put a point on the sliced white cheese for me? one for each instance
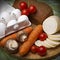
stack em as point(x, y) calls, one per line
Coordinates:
point(47, 43)
point(54, 43)
point(44, 43)
point(51, 45)
point(54, 38)
point(38, 43)
point(56, 35)
point(51, 25)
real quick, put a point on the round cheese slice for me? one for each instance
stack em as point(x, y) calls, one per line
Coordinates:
point(51, 25)
point(47, 45)
point(38, 43)
point(54, 43)
point(43, 43)
point(54, 38)
point(56, 35)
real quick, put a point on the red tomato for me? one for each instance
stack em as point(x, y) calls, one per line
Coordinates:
point(33, 49)
point(25, 12)
point(41, 51)
point(22, 5)
point(32, 9)
point(43, 36)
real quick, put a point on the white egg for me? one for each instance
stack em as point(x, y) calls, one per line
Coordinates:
point(12, 22)
point(5, 16)
point(22, 18)
point(2, 30)
point(16, 12)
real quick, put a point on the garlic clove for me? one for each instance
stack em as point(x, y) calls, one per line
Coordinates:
point(22, 18)
point(38, 43)
point(16, 13)
point(12, 22)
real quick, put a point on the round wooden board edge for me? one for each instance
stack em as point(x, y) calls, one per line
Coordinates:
point(54, 51)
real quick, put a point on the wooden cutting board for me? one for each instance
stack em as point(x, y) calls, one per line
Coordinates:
point(50, 52)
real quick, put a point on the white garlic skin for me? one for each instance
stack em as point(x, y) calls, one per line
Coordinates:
point(11, 45)
point(12, 22)
point(5, 16)
point(16, 13)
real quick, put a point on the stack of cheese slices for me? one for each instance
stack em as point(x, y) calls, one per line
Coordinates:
point(51, 26)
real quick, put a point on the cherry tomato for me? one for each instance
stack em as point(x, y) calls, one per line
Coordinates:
point(43, 36)
point(25, 12)
point(32, 9)
point(33, 49)
point(41, 51)
point(22, 5)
